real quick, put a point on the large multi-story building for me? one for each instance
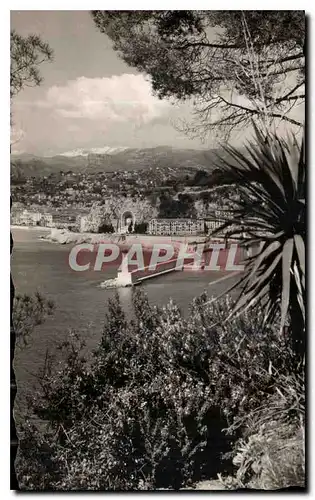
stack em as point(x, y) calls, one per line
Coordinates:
point(176, 226)
point(46, 220)
point(29, 218)
point(26, 218)
point(218, 219)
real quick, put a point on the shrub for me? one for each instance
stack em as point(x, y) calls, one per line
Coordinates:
point(147, 410)
point(271, 179)
point(141, 227)
point(271, 452)
point(29, 311)
point(106, 228)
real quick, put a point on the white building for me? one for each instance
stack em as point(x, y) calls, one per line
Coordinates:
point(29, 218)
point(47, 219)
point(213, 224)
point(219, 218)
point(176, 226)
point(85, 224)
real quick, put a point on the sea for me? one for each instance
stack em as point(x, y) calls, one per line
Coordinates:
point(81, 304)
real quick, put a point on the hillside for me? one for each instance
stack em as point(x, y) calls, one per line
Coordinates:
point(119, 160)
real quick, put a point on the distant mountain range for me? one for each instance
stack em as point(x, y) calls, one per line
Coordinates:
point(109, 159)
point(107, 150)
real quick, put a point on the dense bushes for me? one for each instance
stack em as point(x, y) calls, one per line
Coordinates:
point(181, 207)
point(106, 228)
point(141, 227)
point(147, 410)
point(271, 180)
point(271, 452)
point(29, 311)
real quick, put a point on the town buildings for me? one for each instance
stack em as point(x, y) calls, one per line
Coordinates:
point(218, 219)
point(60, 220)
point(176, 226)
point(188, 226)
point(122, 213)
point(26, 218)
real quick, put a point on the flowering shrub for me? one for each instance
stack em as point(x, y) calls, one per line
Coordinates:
point(147, 409)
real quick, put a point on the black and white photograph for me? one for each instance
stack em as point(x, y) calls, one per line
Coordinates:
point(157, 250)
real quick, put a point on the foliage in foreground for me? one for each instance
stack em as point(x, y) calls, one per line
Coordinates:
point(147, 411)
point(271, 452)
point(201, 54)
point(26, 55)
point(271, 179)
point(28, 312)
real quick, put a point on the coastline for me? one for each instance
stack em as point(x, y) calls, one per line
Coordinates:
point(65, 237)
point(31, 228)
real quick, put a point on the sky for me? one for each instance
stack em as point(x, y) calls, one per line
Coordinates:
point(89, 97)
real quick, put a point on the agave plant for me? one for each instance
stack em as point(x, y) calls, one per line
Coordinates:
point(271, 215)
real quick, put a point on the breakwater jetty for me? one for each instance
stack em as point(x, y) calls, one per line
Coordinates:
point(228, 258)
